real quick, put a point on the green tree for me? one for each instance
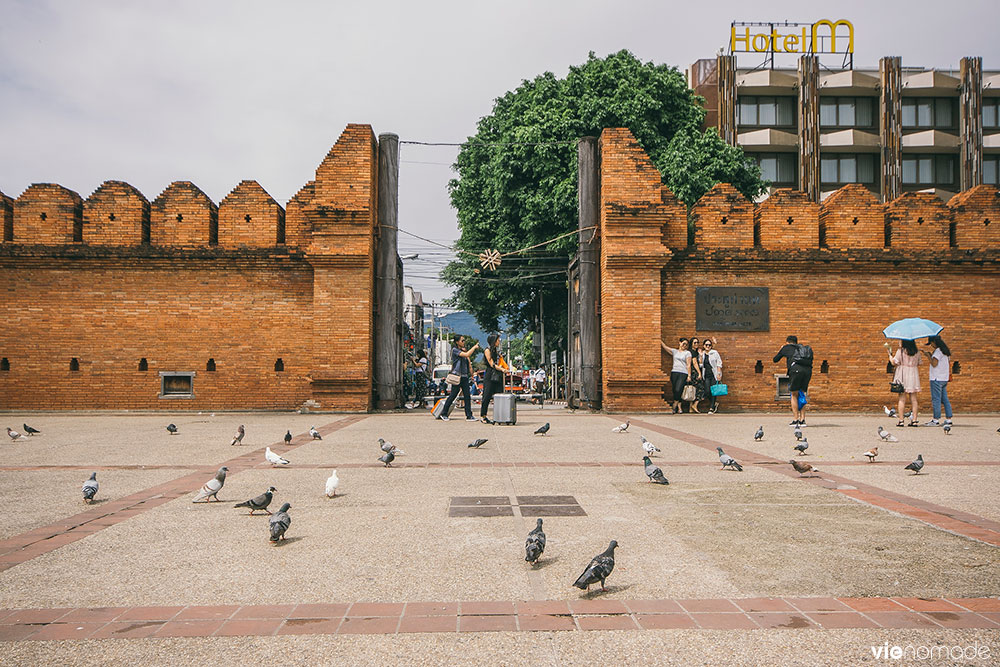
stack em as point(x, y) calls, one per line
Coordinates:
point(517, 179)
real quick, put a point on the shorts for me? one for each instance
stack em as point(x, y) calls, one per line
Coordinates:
point(798, 378)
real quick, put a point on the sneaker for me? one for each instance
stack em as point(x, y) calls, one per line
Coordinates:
point(794, 422)
point(932, 422)
point(948, 422)
point(471, 419)
point(444, 418)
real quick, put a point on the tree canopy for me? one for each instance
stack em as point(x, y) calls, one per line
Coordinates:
point(517, 176)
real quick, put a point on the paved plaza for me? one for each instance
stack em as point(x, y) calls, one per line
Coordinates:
point(423, 562)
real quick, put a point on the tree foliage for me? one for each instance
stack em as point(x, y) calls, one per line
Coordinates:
point(517, 176)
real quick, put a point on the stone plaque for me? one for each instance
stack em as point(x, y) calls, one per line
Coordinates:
point(732, 309)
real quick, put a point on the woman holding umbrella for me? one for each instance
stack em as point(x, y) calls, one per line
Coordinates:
point(907, 360)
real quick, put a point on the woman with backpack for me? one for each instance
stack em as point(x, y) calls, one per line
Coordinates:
point(798, 359)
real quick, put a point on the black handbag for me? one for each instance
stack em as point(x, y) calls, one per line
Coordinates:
point(896, 387)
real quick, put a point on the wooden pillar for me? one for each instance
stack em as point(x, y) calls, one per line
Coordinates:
point(589, 192)
point(726, 72)
point(970, 123)
point(891, 126)
point(388, 281)
point(809, 174)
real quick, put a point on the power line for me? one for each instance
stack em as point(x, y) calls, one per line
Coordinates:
point(491, 143)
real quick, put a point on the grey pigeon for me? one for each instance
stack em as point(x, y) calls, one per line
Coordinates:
point(802, 447)
point(478, 442)
point(599, 569)
point(385, 446)
point(802, 468)
point(259, 502)
point(387, 459)
point(29, 430)
point(947, 429)
point(314, 433)
point(797, 433)
point(172, 429)
point(759, 435)
point(535, 544)
point(212, 487)
point(238, 438)
point(886, 436)
point(889, 412)
point(279, 523)
point(90, 488)
point(288, 437)
point(14, 435)
point(653, 472)
point(728, 461)
point(543, 429)
point(917, 465)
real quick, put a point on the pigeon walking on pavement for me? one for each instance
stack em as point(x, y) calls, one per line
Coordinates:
point(279, 523)
point(385, 446)
point(274, 459)
point(172, 429)
point(917, 465)
point(947, 429)
point(259, 502)
point(543, 429)
point(871, 454)
point(886, 436)
point(621, 428)
point(648, 447)
point(802, 468)
point(759, 435)
point(29, 430)
point(90, 488)
point(314, 433)
point(653, 472)
point(387, 459)
point(478, 442)
point(889, 412)
point(14, 435)
point(238, 438)
point(332, 482)
point(535, 544)
point(802, 447)
point(600, 568)
point(797, 433)
point(728, 461)
point(288, 437)
point(212, 487)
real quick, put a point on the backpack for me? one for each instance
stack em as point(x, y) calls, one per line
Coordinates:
point(803, 356)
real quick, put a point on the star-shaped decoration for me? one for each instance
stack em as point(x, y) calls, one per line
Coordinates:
point(489, 259)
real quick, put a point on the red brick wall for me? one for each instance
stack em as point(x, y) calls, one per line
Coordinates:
point(837, 298)
point(244, 302)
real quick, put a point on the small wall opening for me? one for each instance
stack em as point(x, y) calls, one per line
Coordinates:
point(247, 217)
point(822, 234)
point(111, 217)
point(956, 368)
point(920, 221)
point(790, 220)
point(854, 221)
point(143, 364)
point(952, 234)
point(176, 384)
point(180, 218)
point(824, 367)
point(213, 229)
point(279, 365)
point(43, 216)
point(759, 367)
point(210, 366)
point(724, 219)
point(74, 364)
point(781, 388)
point(986, 222)
point(4, 364)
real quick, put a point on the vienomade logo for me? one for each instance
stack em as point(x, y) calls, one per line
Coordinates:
point(785, 37)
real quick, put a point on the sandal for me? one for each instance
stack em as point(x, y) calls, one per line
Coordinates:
point(900, 423)
point(914, 423)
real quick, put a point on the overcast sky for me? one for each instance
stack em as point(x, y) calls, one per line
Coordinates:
point(215, 92)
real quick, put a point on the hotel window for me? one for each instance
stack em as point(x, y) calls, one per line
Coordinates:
point(847, 112)
point(929, 112)
point(991, 169)
point(991, 112)
point(767, 111)
point(778, 168)
point(844, 169)
point(929, 170)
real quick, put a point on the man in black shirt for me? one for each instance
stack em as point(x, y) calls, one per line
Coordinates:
point(799, 374)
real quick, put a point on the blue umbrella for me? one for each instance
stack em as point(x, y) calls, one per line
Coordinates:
point(912, 328)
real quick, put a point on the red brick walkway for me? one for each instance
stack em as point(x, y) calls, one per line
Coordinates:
point(547, 615)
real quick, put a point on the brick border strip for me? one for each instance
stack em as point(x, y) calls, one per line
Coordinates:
point(26, 546)
point(499, 616)
point(951, 520)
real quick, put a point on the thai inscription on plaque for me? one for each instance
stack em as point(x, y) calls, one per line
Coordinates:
point(732, 309)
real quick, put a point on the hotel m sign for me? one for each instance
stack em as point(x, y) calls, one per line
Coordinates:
point(785, 37)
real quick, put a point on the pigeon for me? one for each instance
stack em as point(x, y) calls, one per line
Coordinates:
point(886, 436)
point(871, 454)
point(172, 429)
point(29, 430)
point(279, 523)
point(14, 435)
point(797, 433)
point(212, 487)
point(728, 461)
point(917, 465)
point(535, 544)
point(543, 429)
point(478, 442)
point(238, 438)
point(599, 569)
point(385, 446)
point(759, 435)
point(621, 428)
point(273, 458)
point(259, 502)
point(802, 447)
point(387, 459)
point(802, 468)
point(648, 446)
point(653, 472)
point(288, 437)
point(947, 429)
point(332, 482)
point(314, 433)
point(889, 412)
point(90, 488)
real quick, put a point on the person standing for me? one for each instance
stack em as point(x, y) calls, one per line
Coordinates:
point(798, 363)
point(419, 377)
point(493, 376)
point(711, 371)
point(461, 367)
point(907, 361)
point(696, 376)
point(540, 377)
point(940, 373)
point(681, 370)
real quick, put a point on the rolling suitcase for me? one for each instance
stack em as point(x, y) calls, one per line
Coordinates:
point(439, 407)
point(505, 409)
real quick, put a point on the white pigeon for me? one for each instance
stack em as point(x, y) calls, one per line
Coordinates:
point(648, 446)
point(889, 412)
point(314, 433)
point(886, 436)
point(331, 484)
point(274, 459)
point(14, 435)
point(621, 428)
point(385, 446)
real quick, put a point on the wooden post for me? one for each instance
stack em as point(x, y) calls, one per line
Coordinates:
point(891, 126)
point(588, 166)
point(970, 123)
point(726, 73)
point(388, 277)
point(809, 173)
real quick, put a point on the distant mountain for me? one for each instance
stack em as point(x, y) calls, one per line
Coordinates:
point(464, 323)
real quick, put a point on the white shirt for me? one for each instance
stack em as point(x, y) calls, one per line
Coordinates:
point(540, 375)
point(715, 360)
point(681, 361)
point(939, 372)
